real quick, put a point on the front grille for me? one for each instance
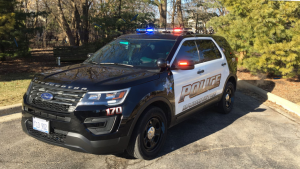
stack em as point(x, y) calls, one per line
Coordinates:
point(52, 137)
point(42, 114)
point(50, 106)
point(64, 100)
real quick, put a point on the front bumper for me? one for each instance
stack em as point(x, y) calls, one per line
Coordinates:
point(77, 142)
point(71, 132)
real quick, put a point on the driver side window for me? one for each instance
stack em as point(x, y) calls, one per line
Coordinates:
point(188, 51)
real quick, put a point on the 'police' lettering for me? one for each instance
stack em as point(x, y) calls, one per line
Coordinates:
point(198, 87)
point(185, 91)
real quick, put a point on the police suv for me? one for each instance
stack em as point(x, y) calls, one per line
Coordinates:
point(127, 94)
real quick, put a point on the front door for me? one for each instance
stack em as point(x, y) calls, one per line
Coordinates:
point(194, 87)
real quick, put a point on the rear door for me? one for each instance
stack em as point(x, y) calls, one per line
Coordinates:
point(214, 64)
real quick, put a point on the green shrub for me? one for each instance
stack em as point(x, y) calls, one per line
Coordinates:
point(270, 28)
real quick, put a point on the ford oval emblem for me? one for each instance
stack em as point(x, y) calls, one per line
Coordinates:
point(46, 96)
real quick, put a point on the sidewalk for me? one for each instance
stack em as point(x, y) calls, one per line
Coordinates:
point(288, 105)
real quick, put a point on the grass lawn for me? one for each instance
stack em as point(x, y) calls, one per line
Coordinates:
point(13, 86)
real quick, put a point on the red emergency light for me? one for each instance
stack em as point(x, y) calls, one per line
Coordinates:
point(177, 30)
point(182, 63)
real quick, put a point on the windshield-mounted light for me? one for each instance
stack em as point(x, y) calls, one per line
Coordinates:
point(107, 98)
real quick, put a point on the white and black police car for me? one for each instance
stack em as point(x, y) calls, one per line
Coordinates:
point(126, 95)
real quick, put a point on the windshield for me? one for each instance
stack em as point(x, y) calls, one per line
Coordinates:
point(133, 52)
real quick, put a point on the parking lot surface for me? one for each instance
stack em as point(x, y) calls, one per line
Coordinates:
point(251, 136)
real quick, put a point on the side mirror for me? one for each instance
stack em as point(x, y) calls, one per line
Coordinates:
point(185, 64)
point(90, 54)
point(161, 63)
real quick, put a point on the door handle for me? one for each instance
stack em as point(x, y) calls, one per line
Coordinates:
point(223, 64)
point(200, 71)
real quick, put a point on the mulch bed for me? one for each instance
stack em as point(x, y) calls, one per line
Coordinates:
point(286, 88)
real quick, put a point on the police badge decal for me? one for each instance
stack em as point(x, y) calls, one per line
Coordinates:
point(168, 86)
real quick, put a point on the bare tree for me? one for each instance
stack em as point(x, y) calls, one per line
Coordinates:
point(203, 11)
point(221, 8)
point(173, 13)
point(179, 12)
point(162, 7)
point(64, 24)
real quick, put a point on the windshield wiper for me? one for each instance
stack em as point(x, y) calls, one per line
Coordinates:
point(116, 64)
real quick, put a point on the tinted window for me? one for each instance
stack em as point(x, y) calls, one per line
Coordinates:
point(224, 45)
point(207, 50)
point(188, 51)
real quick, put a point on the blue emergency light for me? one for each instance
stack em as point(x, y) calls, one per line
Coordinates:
point(140, 30)
point(149, 30)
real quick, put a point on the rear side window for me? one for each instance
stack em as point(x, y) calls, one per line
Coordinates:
point(224, 45)
point(207, 50)
point(188, 51)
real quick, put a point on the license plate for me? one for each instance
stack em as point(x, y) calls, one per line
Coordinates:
point(40, 125)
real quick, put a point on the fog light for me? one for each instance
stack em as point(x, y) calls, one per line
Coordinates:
point(100, 125)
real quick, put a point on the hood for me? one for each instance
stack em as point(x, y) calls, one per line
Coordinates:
point(97, 77)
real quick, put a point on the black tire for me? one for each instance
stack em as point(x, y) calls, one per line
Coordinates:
point(226, 103)
point(144, 144)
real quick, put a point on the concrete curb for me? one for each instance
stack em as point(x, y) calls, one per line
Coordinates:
point(269, 96)
point(5, 110)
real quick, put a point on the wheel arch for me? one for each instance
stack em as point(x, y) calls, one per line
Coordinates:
point(231, 78)
point(158, 101)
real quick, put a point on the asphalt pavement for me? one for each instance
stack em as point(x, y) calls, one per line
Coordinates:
point(251, 136)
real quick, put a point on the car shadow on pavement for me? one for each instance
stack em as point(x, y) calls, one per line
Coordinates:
point(264, 84)
point(208, 122)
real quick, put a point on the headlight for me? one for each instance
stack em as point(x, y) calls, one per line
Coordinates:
point(28, 89)
point(105, 98)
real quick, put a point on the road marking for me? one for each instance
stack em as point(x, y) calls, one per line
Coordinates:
point(10, 117)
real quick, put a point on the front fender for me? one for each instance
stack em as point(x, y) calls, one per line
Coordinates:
point(140, 109)
point(145, 95)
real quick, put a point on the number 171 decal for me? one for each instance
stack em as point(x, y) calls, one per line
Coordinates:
point(114, 110)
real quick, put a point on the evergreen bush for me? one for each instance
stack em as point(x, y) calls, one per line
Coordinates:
point(269, 28)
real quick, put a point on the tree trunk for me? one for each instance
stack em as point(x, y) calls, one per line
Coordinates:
point(120, 5)
point(179, 11)
point(64, 24)
point(37, 10)
point(162, 7)
point(204, 26)
point(196, 23)
point(173, 13)
point(85, 12)
point(78, 27)
point(44, 34)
